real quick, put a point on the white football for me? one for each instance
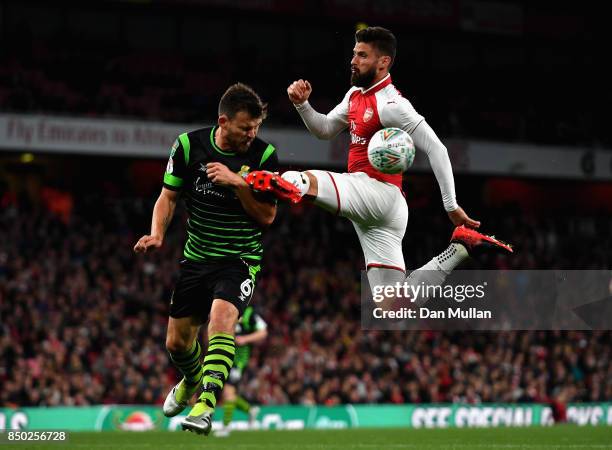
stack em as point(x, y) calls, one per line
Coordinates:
point(391, 150)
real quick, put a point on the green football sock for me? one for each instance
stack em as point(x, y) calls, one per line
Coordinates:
point(217, 364)
point(242, 405)
point(189, 363)
point(228, 412)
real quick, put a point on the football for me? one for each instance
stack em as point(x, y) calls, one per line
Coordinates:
point(391, 150)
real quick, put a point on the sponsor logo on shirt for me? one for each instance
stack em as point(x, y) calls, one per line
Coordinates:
point(244, 171)
point(204, 187)
point(356, 139)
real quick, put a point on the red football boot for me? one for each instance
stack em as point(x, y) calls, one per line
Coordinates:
point(473, 240)
point(265, 181)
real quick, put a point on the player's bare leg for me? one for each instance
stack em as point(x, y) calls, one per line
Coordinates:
point(181, 333)
point(217, 364)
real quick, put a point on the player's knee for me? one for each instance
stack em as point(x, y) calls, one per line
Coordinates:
point(223, 317)
point(301, 180)
point(221, 325)
point(176, 344)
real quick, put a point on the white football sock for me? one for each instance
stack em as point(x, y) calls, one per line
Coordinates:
point(450, 258)
point(298, 179)
point(434, 273)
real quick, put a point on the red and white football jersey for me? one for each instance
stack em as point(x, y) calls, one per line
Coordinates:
point(366, 112)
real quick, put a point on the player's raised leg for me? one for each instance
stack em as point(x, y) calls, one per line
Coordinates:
point(293, 186)
point(379, 214)
point(217, 365)
point(465, 242)
point(319, 186)
point(185, 353)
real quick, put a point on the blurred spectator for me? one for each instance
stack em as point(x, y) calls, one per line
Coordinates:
point(82, 319)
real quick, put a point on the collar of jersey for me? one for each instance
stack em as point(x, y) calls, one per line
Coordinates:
point(212, 142)
point(378, 86)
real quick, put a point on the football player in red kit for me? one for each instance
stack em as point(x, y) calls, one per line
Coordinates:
point(372, 200)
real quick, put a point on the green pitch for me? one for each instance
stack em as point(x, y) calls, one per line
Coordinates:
point(559, 437)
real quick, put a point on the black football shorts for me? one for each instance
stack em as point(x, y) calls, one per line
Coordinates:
point(200, 283)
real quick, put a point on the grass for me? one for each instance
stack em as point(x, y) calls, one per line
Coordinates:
point(558, 437)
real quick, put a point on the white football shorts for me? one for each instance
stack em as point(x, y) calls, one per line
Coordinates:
point(377, 210)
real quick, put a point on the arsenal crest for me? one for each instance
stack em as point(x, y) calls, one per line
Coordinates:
point(368, 113)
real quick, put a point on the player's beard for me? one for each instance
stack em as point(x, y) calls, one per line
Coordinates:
point(363, 80)
point(240, 144)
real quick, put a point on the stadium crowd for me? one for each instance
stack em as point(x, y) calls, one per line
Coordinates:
point(83, 320)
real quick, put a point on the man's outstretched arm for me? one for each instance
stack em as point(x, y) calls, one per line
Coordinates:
point(162, 216)
point(425, 139)
point(401, 114)
point(321, 125)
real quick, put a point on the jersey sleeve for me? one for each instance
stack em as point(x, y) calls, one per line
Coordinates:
point(326, 126)
point(340, 113)
point(400, 113)
point(176, 169)
point(426, 140)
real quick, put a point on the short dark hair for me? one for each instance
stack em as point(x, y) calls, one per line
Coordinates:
point(240, 97)
point(381, 39)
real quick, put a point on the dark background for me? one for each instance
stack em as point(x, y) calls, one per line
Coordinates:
point(508, 70)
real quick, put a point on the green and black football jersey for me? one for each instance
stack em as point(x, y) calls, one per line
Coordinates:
point(217, 224)
point(250, 322)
